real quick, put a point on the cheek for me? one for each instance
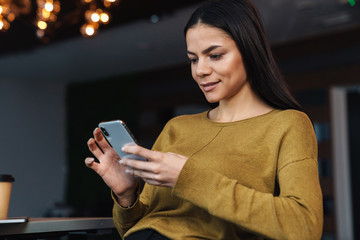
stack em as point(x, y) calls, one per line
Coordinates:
point(236, 69)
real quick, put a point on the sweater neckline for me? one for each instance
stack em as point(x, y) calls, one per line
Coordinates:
point(206, 118)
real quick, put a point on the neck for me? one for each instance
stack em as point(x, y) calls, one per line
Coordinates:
point(243, 106)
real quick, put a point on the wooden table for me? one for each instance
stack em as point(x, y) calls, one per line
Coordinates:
point(51, 227)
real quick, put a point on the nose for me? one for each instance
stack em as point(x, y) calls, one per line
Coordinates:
point(202, 68)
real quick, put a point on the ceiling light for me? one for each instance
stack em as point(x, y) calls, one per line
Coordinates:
point(42, 25)
point(4, 25)
point(95, 17)
point(89, 30)
point(45, 13)
point(104, 17)
point(49, 6)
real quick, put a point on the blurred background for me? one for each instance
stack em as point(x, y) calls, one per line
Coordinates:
point(67, 65)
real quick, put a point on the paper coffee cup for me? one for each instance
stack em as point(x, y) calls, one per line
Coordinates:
point(5, 193)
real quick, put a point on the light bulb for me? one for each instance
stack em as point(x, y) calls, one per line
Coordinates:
point(49, 6)
point(95, 17)
point(1, 9)
point(4, 25)
point(45, 13)
point(104, 17)
point(42, 25)
point(89, 30)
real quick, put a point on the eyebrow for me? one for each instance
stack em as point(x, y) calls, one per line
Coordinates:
point(206, 51)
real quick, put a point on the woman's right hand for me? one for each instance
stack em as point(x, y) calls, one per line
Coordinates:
point(112, 172)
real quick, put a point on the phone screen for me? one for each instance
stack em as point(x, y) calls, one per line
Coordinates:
point(118, 135)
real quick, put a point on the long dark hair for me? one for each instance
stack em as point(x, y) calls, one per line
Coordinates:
point(240, 19)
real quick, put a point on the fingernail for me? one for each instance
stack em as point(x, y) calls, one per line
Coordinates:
point(121, 162)
point(127, 171)
point(123, 149)
point(89, 140)
point(90, 160)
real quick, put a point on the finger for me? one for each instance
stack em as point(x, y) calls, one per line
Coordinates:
point(143, 174)
point(90, 163)
point(143, 152)
point(148, 177)
point(138, 165)
point(154, 182)
point(94, 149)
point(99, 138)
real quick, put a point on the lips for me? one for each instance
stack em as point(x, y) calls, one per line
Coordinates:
point(209, 86)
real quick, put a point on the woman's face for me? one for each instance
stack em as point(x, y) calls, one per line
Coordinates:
point(216, 63)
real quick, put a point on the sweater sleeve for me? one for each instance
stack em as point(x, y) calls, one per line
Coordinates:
point(125, 218)
point(296, 213)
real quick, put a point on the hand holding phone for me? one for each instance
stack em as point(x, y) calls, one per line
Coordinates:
point(118, 135)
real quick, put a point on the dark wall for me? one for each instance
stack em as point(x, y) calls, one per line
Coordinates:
point(87, 105)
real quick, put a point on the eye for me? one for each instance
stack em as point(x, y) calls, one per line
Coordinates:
point(215, 56)
point(192, 60)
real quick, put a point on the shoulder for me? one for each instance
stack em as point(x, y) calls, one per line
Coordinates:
point(292, 114)
point(291, 117)
point(298, 139)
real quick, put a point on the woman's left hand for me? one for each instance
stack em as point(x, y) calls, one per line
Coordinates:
point(161, 169)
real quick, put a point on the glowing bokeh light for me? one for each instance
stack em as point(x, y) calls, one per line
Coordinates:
point(104, 17)
point(11, 17)
point(352, 2)
point(42, 25)
point(49, 6)
point(95, 17)
point(45, 13)
point(89, 30)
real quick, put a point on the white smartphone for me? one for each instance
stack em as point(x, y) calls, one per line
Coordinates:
point(118, 135)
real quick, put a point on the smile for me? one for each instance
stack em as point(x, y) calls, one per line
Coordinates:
point(209, 86)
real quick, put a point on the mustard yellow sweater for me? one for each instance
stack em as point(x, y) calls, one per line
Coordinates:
point(250, 179)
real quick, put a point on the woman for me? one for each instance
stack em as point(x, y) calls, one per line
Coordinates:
point(246, 169)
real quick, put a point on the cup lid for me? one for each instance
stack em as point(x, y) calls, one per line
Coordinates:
point(6, 178)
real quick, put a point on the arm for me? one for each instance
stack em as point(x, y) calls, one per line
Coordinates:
point(295, 214)
point(126, 217)
point(124, 187)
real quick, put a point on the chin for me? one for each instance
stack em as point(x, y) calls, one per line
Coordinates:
point(211, 100)
point(211, 97)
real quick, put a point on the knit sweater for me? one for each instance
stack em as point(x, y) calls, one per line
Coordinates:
point(250, 179)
